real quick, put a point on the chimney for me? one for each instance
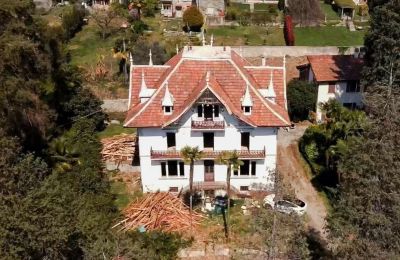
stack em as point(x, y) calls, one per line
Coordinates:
point(263, 62)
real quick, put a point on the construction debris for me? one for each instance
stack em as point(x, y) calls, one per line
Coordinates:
point(159, 211)
point(120, 148)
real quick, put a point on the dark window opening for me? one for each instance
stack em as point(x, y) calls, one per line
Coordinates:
point(163, 169)
point(208, 166)
point(167, 109)
point(245, 140)
point(253, 168)
point(208, 112)
point(173, 189)
point(172, 168)
point(171, 140)
point(332, 87)
point(245, 168)
point(351, 106)
point(352, 86)
point(199, 111)
point(181, 169)
point(247, 109)
point(235, 172)
point(244, 188)
point(304, 74)
point(178, 8)
point(216, 111)
point(208, 140)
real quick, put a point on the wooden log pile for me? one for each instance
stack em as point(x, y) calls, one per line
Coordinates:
point(118, 148)
point(159, 211)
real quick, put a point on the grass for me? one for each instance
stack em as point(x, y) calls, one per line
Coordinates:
point(328, 11)
point(121, 193)
point(241, 7)
point(114, 129)
point(247, 35)
point(260, 7)
point(328, 36)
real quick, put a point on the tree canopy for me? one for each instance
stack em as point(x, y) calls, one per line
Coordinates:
point(302, 99)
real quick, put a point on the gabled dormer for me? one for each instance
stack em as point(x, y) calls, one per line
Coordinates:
point(247, 102)
point(269, 93)
point(145, 92)
point(167, 101)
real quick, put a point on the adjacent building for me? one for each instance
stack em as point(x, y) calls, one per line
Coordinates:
point(209, 97)
point(337, 77)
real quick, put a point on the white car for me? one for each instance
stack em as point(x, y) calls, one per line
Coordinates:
point(285, 206)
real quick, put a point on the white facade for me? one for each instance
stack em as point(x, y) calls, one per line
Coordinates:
point(262, 138)
point(339, 90)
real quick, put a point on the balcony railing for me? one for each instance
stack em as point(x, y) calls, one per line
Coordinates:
point(174, 154)
point(208, 125)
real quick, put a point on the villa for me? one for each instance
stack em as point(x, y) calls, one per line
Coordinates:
point(210, 97)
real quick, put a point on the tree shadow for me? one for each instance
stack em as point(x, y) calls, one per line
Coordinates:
point(317, 245)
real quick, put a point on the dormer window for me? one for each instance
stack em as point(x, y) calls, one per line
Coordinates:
point(246, 110)
point(168, 109)
point(168, 101)
point(247, 102)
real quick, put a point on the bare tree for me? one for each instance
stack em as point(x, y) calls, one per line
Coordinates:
point(103, 19)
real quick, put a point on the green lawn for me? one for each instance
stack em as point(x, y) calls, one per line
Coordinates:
point(260, 7)
point(328, 36)
point(247, 35)
point(114, 129)
point(242, 7)
point(328, 11)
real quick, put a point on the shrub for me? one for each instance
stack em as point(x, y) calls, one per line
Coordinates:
point(302, 97)
point(72, 20)
point(193, 19)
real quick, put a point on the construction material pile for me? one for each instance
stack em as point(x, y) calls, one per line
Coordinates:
point(159, 211)
point(118, 148)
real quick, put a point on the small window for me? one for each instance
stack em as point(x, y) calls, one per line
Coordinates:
point(352, 86)
point(253, 168)
point(171, 140)
point(332, 87)
point(199, 111)
point(208, 140)
point(244, 188)
point(181, 169)
point(178, 8)
point(163, 169)
point(173, 189)
point(247, 110)
point(245, 168)
point(216, 111)
point(168, 110)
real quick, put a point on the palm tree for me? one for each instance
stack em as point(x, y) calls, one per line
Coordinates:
point(231, 160)
point(190, 155)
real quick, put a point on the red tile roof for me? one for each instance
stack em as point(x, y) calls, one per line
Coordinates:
point(336, 67)
point(186, 78)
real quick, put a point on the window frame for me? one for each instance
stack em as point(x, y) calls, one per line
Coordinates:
point(249, 108)
point(352, 86)
point(332, 87)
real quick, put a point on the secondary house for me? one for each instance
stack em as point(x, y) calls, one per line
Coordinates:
point(336, 77)
point(212, 98)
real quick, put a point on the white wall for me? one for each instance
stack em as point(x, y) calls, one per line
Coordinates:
point(229, 139)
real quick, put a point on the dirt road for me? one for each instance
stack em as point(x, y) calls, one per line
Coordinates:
point(290, 165)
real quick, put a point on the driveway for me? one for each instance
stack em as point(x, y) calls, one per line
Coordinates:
point(290, 165)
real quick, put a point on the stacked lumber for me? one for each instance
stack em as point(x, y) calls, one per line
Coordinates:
point(118, 148)
point(159, 211)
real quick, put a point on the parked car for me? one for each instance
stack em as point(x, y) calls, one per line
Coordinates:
point(285, 206)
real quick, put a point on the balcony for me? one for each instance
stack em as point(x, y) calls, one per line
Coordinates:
point(208, 125)
point(207, 154)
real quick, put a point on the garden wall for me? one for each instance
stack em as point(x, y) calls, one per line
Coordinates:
point(294, 51)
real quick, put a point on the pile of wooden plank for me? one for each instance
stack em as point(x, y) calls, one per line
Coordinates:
point(159, 211)
point(120, 148)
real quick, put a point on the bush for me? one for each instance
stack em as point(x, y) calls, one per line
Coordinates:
point(72, 20)
point(302, 98)
point(193, 19)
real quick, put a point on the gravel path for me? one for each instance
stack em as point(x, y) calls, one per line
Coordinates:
point(290, 165)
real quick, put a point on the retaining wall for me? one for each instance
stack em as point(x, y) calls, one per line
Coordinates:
point(295, 51)
point(115, 105)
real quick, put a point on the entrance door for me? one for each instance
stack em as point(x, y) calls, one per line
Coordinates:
point(208, 112)
point(208, 170)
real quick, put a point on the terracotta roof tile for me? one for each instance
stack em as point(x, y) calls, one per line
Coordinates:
point(336, 67)
point(186, 78)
